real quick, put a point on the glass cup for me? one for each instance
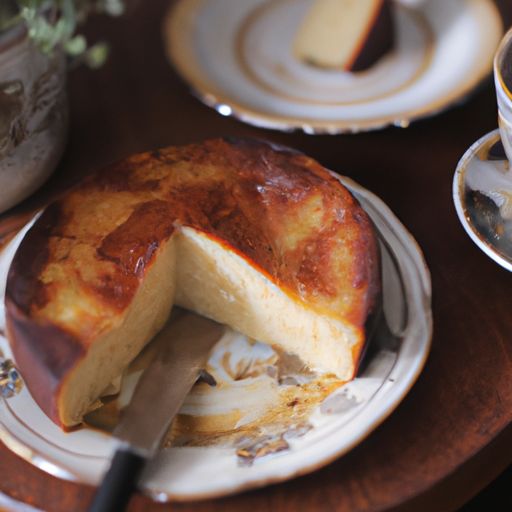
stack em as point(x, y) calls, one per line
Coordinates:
point(503, 81)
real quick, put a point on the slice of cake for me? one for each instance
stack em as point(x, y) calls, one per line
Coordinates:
point(350, 35)
point(260, 238)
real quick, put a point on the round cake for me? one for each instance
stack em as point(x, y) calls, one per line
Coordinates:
point(258, 237)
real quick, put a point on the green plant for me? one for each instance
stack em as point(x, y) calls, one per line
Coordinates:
point(53, 23)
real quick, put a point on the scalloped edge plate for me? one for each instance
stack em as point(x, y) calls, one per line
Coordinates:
point(191, 473)
point(237, 58)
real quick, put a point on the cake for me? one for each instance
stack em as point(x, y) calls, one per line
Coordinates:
point(349, 35)
point(257, 237)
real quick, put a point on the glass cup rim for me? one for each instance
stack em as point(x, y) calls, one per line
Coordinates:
point(504, 44)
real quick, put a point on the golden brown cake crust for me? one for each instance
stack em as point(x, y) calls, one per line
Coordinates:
point(78, 268)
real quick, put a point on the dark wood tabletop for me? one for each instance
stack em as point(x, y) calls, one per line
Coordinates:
point(452, 434)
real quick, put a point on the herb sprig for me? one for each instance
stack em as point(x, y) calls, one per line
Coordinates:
point(53, 23)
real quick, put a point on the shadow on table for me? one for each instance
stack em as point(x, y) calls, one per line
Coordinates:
point(497, 497)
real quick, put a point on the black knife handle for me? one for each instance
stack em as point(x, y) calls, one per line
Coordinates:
point(118, 483)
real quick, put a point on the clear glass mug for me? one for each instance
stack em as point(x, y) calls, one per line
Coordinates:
point(503, 81)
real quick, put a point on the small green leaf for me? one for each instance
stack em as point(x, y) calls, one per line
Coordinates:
point(96, 55)
point(75, 46)
point(113, 7)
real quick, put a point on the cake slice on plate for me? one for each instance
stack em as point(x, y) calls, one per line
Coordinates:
point(349, 35)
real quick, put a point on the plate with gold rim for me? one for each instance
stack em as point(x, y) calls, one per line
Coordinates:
point(268, 419)
point(238, 58)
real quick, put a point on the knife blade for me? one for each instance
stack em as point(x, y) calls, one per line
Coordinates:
point(185, 345)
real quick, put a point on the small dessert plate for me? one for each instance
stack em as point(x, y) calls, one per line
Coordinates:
point(482, 193)
point(238, 58)
point(268, 419)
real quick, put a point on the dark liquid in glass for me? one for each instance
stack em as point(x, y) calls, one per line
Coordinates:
point(506, 68)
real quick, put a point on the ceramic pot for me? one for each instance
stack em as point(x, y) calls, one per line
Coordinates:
point(33, 115)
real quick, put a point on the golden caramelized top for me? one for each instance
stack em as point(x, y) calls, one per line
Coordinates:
point(81, 263)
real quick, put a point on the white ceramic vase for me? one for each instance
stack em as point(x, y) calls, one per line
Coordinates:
point(33, 115)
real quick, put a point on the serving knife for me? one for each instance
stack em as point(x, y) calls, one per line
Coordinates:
point(185, 345)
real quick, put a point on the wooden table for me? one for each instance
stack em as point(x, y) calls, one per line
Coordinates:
point(452, 434)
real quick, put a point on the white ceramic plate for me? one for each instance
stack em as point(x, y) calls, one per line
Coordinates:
point(290, 419)
point(237, 57)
